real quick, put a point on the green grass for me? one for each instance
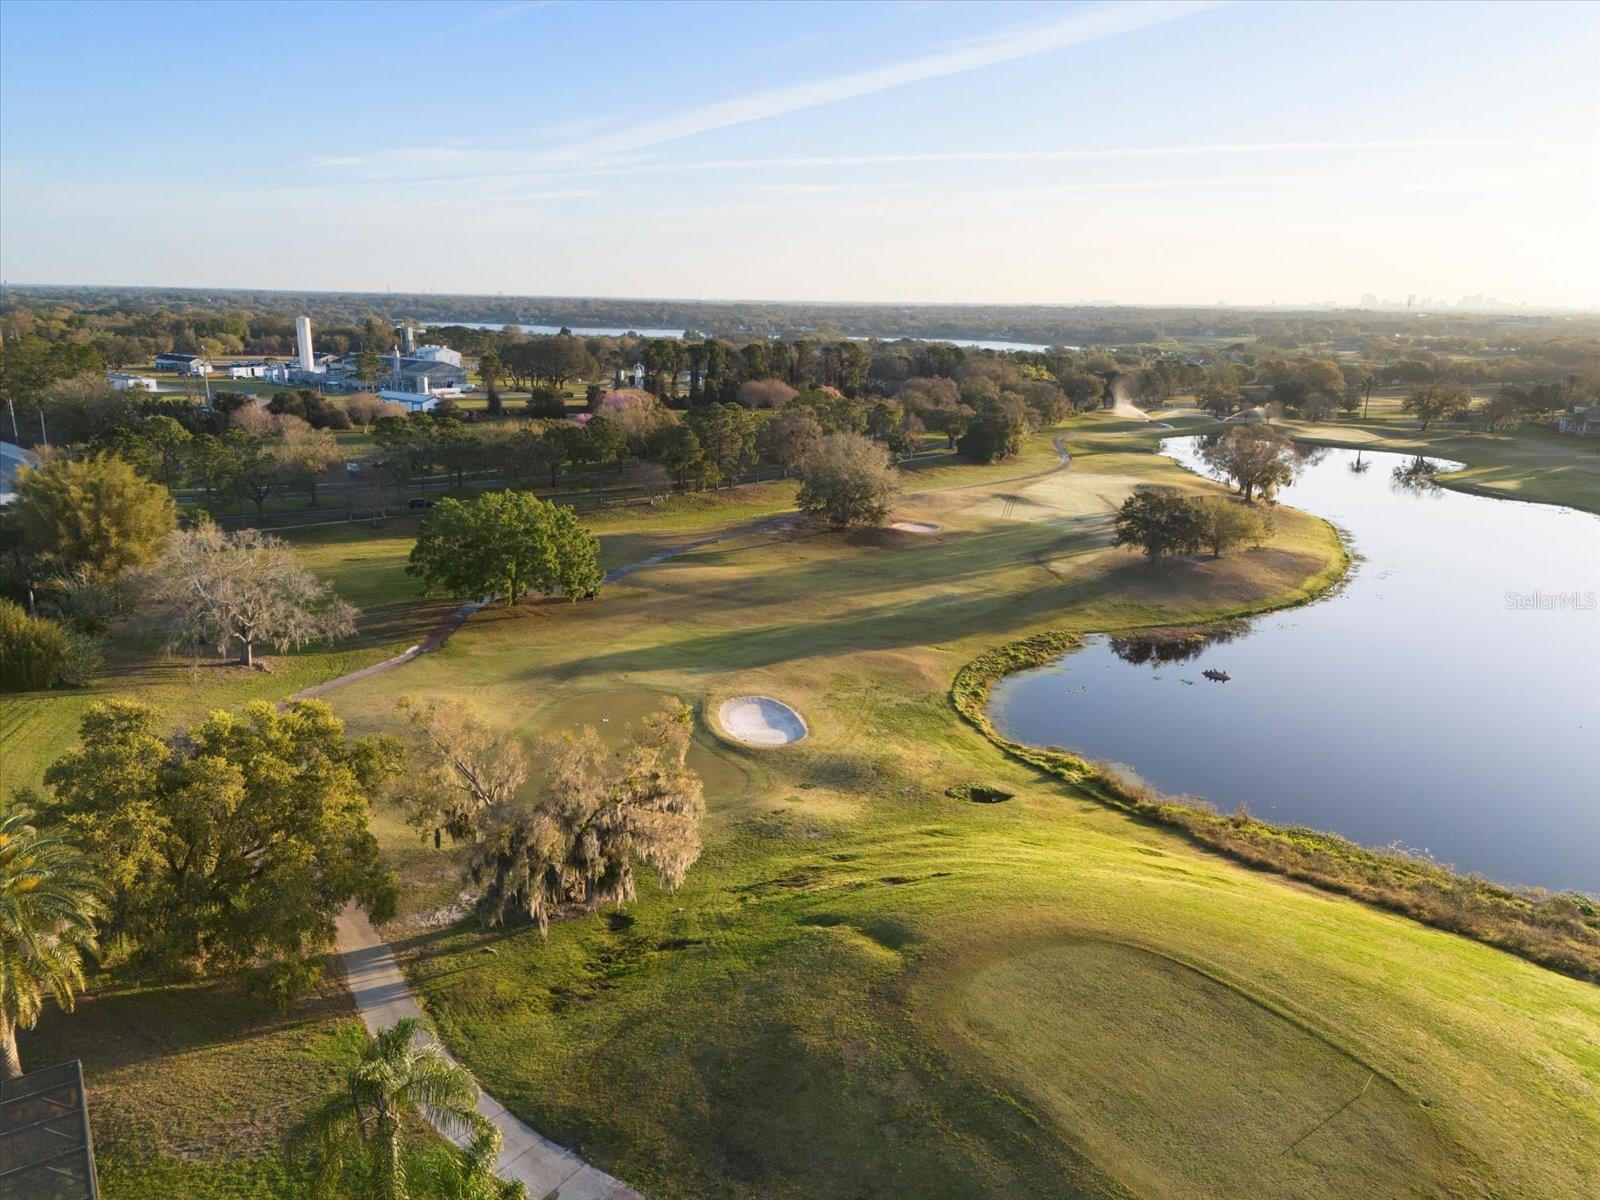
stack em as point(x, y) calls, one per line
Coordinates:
point(870, 987)
point(1532, 462)
point(193, 1089)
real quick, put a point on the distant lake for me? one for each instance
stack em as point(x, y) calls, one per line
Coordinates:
point(1446, 699)
point(575, 330)
point(602, 331)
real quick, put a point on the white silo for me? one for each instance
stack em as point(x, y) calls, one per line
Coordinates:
point(302, 337)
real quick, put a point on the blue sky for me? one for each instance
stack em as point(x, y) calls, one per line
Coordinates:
point(1053, 152)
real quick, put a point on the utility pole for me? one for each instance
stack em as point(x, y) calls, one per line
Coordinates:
point(15, 434)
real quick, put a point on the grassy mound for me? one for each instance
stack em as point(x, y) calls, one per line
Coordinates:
point(1181, 1086)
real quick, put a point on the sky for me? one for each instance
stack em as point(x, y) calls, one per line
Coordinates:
point(1110, 152)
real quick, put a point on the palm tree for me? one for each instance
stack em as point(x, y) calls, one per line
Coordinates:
point(49, 902)
point(358, 1131)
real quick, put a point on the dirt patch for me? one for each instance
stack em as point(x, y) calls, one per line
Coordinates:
point(915, 527)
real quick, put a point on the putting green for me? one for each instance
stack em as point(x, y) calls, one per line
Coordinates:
point(1177, 1085)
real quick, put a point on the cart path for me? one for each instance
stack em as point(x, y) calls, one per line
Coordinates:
point(382, 996)
point(379, 987)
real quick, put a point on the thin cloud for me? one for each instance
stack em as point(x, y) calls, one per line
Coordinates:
point(1008, 45)
point(1017, 42)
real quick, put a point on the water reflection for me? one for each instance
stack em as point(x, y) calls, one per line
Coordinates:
point(1429, 703)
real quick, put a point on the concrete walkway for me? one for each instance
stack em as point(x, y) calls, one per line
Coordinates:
point(382, 995)
point(541, 1166)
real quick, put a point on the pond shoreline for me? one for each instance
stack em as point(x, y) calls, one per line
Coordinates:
point(1560, 931)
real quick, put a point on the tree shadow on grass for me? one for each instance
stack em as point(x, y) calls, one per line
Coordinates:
point(946, 616)
point(124, 1024)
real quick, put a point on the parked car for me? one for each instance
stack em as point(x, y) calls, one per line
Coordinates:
point(419, 502)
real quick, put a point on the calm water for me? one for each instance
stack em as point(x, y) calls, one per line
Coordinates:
point(1447, 699)
point(616, 331)
point(576, 330)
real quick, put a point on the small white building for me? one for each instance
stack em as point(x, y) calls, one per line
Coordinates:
point(121, 381)
point(414, 401)
point(638, 375)
point(249, 370)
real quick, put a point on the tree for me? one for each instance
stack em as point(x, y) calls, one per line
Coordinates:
point(233, 842)
point(1436, 402)
point(1255, 457)
point(995, 431)
point(369, 366)
point(96, 512)
point(678, 449)
point(364, 408)
point(789, 437)
point(304, 453)
point(556, 359)
point(1220, 393)
point(598, 813)
point(49, 905)
point(605, 444)
point(558, 445)
point(765, 393)
point(357, 1130)
point(459, 769)
point(1501, 410)
point(847, 479)
point(1227, 524)
point(490, 370)
point(727, 434)
point(237, 589)
point(505, 544)
point(1160, 521)
point(155, 447)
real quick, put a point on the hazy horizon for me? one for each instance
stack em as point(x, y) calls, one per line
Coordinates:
point(1157, 155)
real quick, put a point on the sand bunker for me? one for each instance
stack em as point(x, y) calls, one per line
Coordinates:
point(914, 527)
point(761, 721)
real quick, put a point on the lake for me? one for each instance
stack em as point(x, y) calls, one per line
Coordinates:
point(615, 331)
point(1446, 699)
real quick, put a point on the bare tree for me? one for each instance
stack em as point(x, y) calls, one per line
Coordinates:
point(460, 768)
point(227, 589)
point(598, 814)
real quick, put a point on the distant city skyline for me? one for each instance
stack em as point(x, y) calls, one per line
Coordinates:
point(1160, 153)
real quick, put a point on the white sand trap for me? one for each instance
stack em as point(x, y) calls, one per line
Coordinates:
point(914, 527)
point(761, 721)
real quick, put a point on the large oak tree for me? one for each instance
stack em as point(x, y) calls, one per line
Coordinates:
point(505, 545)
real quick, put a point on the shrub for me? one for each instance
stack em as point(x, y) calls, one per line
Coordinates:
point(546, 402)
point(37, 653)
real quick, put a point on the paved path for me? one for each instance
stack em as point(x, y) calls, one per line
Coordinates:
point(382, 996)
